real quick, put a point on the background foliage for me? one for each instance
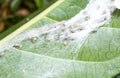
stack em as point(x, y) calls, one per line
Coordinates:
point(12, 11)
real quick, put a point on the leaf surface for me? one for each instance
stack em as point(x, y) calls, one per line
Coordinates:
point(99, 56)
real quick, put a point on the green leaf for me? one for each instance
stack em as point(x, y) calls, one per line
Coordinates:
point(15, 4)
point(99, 56)
point(115, 20)
point(39, 3)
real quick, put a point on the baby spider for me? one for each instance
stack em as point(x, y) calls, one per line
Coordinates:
point(56, 36)
point(65, 42)
point(47, 38)
point(94, 30)
point(17, 46)
point(34, 39)
point(87, 18)
point(63, 27)
point(2, 54)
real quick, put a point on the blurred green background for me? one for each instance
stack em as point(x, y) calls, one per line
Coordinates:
point(13, 11)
